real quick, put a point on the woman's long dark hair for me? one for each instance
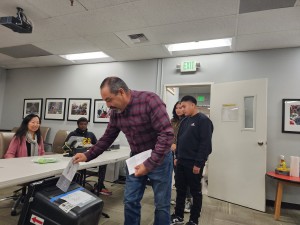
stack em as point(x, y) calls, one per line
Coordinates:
point(175, 116)
point(22, 130)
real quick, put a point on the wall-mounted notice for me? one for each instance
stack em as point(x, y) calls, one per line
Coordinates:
point(230, 112)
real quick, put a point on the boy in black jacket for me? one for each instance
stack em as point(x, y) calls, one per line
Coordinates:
point(82, 131)
point(193, 147)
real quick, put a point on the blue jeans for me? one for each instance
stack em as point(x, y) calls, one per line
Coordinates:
point(161, 179)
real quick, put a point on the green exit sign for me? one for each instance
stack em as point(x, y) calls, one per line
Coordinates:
point(188, 66)
point(200, 98)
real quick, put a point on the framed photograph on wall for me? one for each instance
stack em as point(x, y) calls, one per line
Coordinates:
point(101, 111)
point(33, 105)
point(79, 107)
point(55, 109)
point(290, 115)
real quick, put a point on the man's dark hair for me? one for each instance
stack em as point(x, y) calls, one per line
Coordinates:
point(82, 119)
point(189, 98)
point(114, 84)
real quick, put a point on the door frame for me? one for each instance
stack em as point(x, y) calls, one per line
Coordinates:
point(182, 85)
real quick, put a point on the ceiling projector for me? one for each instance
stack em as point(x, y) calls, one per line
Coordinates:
point(18, 24)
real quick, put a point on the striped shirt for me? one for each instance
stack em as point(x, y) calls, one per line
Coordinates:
point(145, 124)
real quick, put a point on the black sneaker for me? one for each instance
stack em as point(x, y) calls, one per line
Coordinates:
point(191, 223)
point(176, 220)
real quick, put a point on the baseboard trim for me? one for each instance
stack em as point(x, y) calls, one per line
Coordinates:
point(284, 205)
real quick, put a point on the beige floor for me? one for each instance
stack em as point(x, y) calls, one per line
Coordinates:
point(214, 212)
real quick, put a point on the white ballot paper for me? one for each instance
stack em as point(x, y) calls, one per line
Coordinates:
point(67, 176)
point(78, 198)
point(136, 160)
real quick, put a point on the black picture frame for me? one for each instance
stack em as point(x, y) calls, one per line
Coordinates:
point(79, 107)
point(33, 105)
point(101, 111)
point(55, 109)
point(291, 115)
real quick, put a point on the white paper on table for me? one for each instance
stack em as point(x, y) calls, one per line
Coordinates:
point(78, 198)
point(136, 160)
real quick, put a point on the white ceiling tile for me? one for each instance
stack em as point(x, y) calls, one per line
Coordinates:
point(54, 8)
point(282, 39)
point(96, 4)
point(213, 28)
point(67, 46)
point(51, 60)
point(4, 57)
point(116, 18)
point(137, 53)
point(50, 29)
point(9, 38)
point(43, 30)
point(106, 41)
point(157, 12)
point(269, 21)
point(14, 63)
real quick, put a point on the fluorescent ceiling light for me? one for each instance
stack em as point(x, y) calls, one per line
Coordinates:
point(199, 45)
point(84, 56)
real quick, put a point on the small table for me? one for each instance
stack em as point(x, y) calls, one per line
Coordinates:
point(282, 179)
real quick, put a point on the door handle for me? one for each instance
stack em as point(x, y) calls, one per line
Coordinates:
point(260, 143)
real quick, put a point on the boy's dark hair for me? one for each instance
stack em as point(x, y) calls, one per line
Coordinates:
point(82, 119)
point(189, 98)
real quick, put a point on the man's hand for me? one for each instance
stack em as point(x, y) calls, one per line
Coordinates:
point(175, 162)
point(140, 170)
point(196, 170)
point(173, 147)
point(79, 157)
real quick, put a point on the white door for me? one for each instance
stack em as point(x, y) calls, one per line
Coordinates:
point(237, 165)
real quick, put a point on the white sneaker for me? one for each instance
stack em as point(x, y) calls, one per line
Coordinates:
point(188, 206)
point(173, 202)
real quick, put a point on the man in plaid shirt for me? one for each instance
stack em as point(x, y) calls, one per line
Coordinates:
point(142, 117)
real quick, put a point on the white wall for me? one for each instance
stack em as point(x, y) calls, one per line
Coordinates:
point(281, 67)
point(79, 81)
point(2, 91)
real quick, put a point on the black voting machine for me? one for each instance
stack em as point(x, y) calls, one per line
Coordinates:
point(44, 205)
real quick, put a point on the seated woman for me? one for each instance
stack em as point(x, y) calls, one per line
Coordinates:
point(28, 140)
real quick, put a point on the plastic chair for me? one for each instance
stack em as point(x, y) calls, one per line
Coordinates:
point(59, 141)
point(44, 132)
point(5, 139)
point(14, 129)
